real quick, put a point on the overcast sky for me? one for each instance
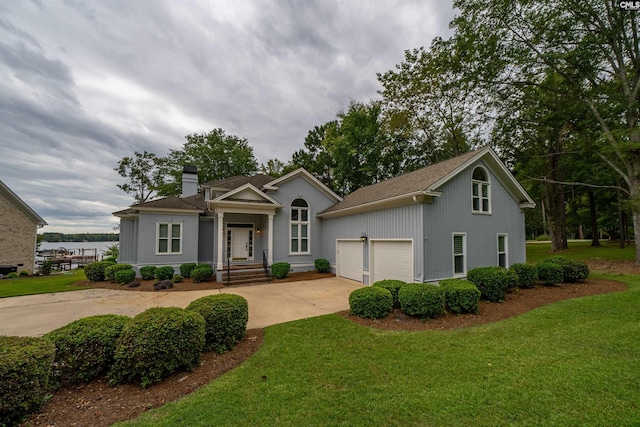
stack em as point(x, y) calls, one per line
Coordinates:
point(85, 83)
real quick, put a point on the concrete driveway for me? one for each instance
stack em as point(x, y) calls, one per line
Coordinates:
point(269, 304)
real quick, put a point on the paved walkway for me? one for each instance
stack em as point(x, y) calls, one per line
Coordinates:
point(269, 304)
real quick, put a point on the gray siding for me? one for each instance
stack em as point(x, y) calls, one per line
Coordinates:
point(318, 201)
point(147, 240)
point(128, 247)
point(451, 213)
point(206, 235)
point(404, 222)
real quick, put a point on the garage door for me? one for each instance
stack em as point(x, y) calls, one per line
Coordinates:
point(391, 259)
point(349, 259)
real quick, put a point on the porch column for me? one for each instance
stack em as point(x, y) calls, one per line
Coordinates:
point(220, 239)
point(270, 244)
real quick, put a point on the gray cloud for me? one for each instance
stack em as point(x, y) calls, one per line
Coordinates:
point(85, 83)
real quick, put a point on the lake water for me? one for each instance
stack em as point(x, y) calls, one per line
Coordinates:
point(74, 246)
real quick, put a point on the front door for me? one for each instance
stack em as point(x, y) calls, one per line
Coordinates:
point(241, 243)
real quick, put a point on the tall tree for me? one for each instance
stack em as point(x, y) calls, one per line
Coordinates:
point(144, 172)
point(217, 156)
point(594, 45)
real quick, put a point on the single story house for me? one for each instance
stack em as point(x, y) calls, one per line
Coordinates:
point(433, 223)
point(18, 232)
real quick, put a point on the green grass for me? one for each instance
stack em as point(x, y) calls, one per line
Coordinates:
point(581, 250)
point(573, 363)
point(41, 285)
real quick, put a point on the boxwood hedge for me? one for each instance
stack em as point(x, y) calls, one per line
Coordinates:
point(322, 265)
point(550, 273)
point(164, 273)
point(572, 270)
point(280, 270)
point(95, 270)
point(371, 302)
point(461, 296)
point(124, 277)
point(110, 272)
point(527, 274)
point(157, 343)
point(492, 282)
point(422, 300)
point(202, 273)
point(187, 268)
point(226, 317)
point(393, 286)
point(148, 272)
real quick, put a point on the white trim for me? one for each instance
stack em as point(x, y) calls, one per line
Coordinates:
point(300, 223)
point(480, 184)
point(250, 187)
point(372, 272)
point(273, 185)
point(506, 249)
point(391, 202)
point(167, 211)
point(464, 254)
point(362, 270)
point(233, 225)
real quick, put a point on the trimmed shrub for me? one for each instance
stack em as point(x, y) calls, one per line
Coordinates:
point(226, 317)
point(95, 270)
point(280, 270)
point(110, 272)
point(512, 279)
point(45, 268)
point(12, 275)
point(492, 282)
point(527, 274)
point(392, 286)
point(422, 300)
point(372, 302)
point(572, 270)
point(157, 343)
point(164, 273)
point(187, 268)
point(24, 273)
point(125, 277)
point(25, 369)
point(148, 272)
point(202, 273)
point(461, 296)
point(322, 265)
point(85, 348)
point(550, 273)
point(177, 278)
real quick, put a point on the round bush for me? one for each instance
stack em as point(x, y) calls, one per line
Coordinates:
point(177, 279)
point(422, 300)
point(550, 273)
point(85, 348)
point(512, 279)
point(527, 275)
point(393, 286)
point(12, 275)
point(187, 268)
point(372, 302)
point(148, 272)
point(24, 273)
point(226, 317)
point(25, 369)
point(572, 270)
point(124, 277)
point(110, 272)
point(164, 273)
point(95, 270)
point(321, 265)
point(280, 270)
point(492, 282)
point(157, 343)
point(461, 296)
point(202, 273)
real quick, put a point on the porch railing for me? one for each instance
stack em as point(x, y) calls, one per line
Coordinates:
point(265, 265)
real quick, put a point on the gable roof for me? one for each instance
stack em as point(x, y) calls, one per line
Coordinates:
point(192, 203)
point(426, 182)
point(301, 172)
point(234, 182)
point(21, 204)
point(251, 195)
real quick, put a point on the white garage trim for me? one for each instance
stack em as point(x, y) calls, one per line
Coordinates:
point(350, 259)
point(391, 259)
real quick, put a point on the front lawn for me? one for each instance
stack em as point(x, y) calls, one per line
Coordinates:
point(572, 363)
point(536, 251)
point(41, 285)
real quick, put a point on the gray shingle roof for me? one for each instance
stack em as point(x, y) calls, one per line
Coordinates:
point(405, 184)
point(234, 182)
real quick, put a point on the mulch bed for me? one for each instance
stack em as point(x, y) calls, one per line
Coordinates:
point(98, 404)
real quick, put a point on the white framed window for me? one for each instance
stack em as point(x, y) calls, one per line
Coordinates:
point(169, 238)
point(299, 227)
point(480, 191)
point(459, 254)
point(503, 250)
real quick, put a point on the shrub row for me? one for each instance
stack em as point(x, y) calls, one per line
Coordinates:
point(144, 349)
point(415, 299)
point(124, 273)
point(491, 281)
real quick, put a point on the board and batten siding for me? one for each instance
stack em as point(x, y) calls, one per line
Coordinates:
point(128, 245)
point(317, 201)
point(451, 213)
point(404, 222)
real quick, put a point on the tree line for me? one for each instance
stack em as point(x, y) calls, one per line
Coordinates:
point(553, 87)
point(78, 237)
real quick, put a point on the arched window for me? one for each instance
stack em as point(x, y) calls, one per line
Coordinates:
point(299, 230)
point(481, 194)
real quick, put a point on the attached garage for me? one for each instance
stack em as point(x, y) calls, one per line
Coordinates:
point(391, 259)
point(350, 259)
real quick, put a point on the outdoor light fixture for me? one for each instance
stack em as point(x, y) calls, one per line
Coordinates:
point(363, 237)
point(258, 231)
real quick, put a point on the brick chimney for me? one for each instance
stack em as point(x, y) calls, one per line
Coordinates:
point(189, 180)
